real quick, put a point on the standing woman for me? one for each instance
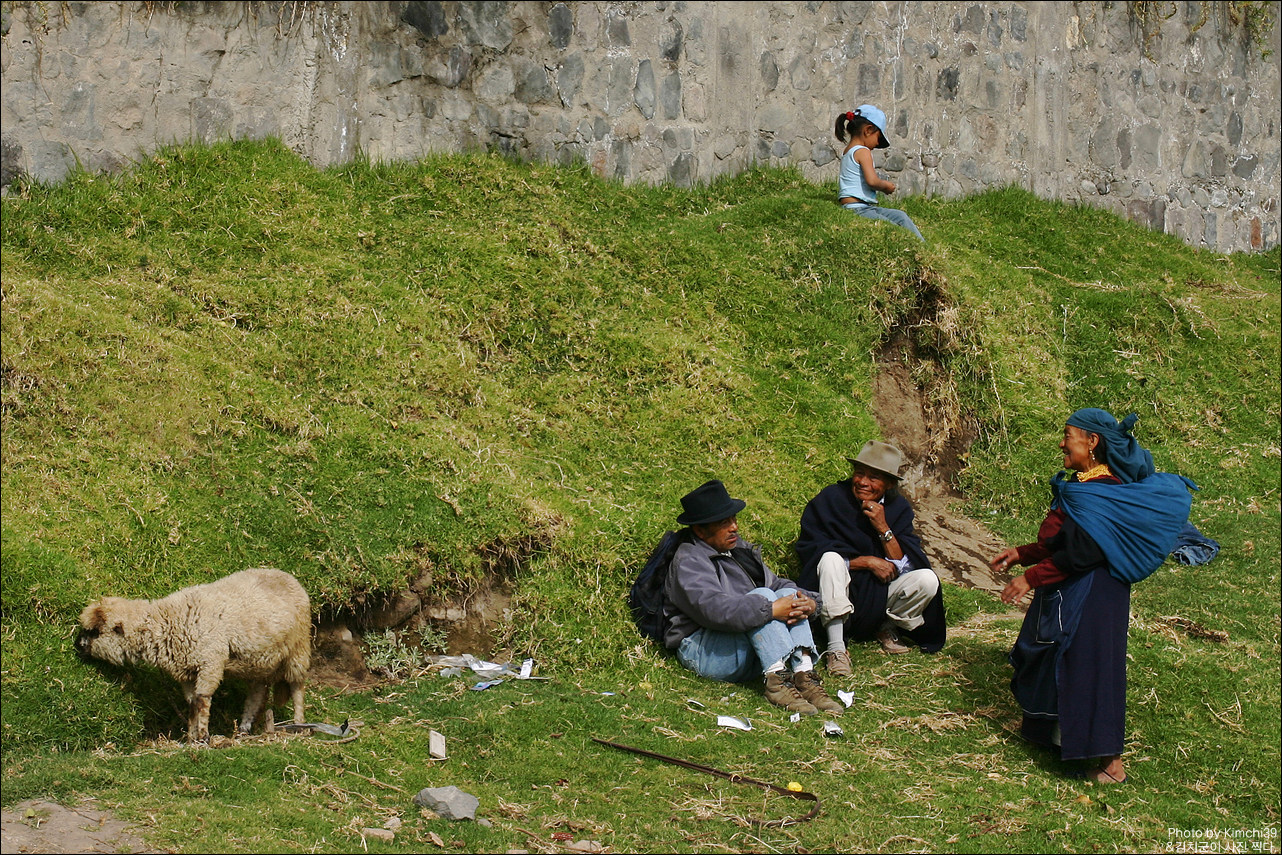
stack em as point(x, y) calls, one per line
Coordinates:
point(1113, 520)
point(858, 181)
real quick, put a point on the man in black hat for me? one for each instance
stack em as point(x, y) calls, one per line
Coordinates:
point(730, 618)
point(859, 549)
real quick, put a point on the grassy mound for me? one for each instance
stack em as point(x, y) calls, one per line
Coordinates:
point(468, 366)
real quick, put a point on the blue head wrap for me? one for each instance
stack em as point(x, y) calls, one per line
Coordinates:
point(1128, 460)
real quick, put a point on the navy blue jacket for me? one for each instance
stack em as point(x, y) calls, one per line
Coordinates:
point(833, 522)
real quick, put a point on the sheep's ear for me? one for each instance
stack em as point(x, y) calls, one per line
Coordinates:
point(93, 618)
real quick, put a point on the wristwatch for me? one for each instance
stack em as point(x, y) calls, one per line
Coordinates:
point(888, 536)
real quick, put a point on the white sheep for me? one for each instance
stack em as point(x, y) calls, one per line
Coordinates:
point(254, 625)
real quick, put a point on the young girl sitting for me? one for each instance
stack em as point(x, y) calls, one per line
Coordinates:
point(858, 182)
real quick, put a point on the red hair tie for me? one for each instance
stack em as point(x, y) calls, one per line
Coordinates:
point(850, 117)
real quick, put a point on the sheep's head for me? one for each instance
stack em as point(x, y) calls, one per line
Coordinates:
point(104, 631)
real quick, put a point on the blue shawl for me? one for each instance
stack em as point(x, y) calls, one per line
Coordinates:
point(1137, 524)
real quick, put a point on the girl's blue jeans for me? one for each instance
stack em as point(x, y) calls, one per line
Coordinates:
point(890, 215)
point(733, 657)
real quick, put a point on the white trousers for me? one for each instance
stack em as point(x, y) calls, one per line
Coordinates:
point(907, 596)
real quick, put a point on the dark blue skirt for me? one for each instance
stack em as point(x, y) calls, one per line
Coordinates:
point(1070, 665)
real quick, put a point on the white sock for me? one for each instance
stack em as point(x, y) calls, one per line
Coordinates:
point(775, 668)
point(804, 663)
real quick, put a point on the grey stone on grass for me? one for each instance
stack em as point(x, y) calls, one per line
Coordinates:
point(449, 802)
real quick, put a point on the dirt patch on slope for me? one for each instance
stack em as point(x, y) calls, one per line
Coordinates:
point(38, 826)
point(917, 411)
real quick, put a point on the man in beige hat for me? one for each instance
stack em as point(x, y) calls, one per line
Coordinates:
point(859, 550)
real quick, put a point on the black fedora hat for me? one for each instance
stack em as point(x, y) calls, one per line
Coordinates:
point(708, 503)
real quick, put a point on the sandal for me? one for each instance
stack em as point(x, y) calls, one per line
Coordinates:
point(1099, 775)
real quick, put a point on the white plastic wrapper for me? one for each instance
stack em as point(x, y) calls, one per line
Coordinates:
point(736, 723)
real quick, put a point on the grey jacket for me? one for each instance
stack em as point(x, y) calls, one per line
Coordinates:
point(707, 589)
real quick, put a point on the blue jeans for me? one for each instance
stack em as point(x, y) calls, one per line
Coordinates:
point(890, 215)
point(733, 657)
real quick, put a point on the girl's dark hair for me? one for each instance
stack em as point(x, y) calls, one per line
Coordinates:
point(849, 124)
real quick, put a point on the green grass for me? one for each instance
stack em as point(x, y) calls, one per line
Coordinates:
point(226, 358)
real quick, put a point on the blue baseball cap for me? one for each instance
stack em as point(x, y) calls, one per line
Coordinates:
point(878, 118)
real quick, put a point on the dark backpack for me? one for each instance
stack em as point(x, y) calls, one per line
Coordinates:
point(646, 597)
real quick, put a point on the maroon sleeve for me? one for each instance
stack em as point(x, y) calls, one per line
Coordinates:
point(1043, 571)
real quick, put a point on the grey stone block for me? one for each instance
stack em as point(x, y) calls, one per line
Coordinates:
point(532, 85)
point(681, 171)
point(211, 119)
point(1244, 167)
point(616, 31)
point(427, 18)
point(869, 86)
point(1234, 128)
point(799, 73)
point(560, 26)
point(10, 161)
point(643, 91)
point(1018, 23)
point(569, 77)
point(619, 86)
point(769, 71)
point(671, 41)
point(450, 802)
point(487, 23)
point(946, 83)
point(670, 96)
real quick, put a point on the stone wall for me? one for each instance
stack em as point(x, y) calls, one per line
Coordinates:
point(1173, 124)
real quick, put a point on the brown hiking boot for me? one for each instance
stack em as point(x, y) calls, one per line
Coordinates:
point(888, 638)
point(808, 686)
point(782, 693)
point(837, 662)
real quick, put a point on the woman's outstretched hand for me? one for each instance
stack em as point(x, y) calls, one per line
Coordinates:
point(1016, 590)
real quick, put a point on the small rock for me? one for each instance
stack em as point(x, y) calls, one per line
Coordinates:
point(378, 834)
point(449, 802)
point(393, 824)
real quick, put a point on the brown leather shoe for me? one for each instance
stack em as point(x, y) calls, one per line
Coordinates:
point(837, 662)
point(888, 638)
point(809, 687)
point(782, 693)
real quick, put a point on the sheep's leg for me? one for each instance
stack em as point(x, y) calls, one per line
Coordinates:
point(253, 703)
point(193, 718)
point(198, 719)
point(296, 690)
point(206, 683)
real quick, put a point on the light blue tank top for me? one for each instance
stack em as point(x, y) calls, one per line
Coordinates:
point(850, 181)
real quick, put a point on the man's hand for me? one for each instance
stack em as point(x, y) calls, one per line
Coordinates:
point(885, 571)
point(797, 607)
point(876, 514)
